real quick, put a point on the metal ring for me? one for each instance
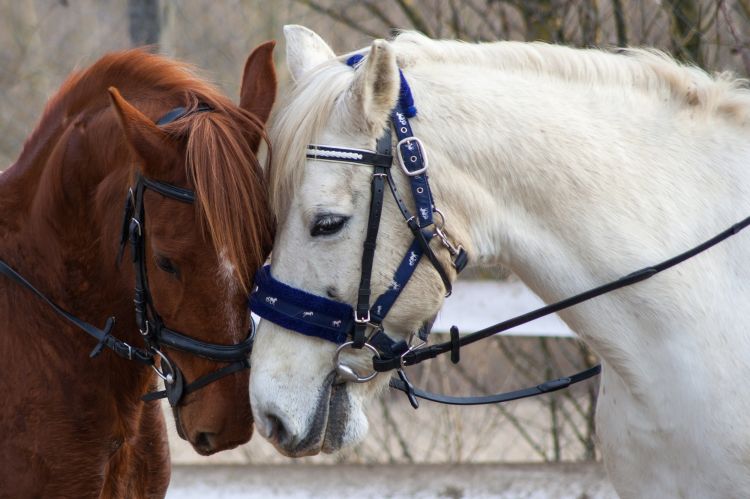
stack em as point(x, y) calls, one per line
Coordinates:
point(346, 372)
point(169, 377)
point(442, 218)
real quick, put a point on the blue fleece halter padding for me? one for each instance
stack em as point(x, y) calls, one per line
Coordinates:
point(405, 99)
point(299, 310)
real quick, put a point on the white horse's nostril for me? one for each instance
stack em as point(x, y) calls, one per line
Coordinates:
point(273, 428)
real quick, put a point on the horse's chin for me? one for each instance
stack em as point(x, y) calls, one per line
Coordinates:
point(347, 423)
point(337, 423)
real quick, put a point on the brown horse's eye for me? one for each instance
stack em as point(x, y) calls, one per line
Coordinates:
point(166, 265)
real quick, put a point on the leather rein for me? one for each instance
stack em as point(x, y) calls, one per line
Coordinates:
point(150, 324)
point(318, 316)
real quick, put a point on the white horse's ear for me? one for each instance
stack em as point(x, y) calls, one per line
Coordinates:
point(375, 88)
point(304, 50)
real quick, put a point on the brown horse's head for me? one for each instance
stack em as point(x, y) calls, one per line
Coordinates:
point(201, 258)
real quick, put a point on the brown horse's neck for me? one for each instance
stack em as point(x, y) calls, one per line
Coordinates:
point(60, 214)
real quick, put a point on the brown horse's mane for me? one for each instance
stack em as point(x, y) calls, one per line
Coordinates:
point(220, 163)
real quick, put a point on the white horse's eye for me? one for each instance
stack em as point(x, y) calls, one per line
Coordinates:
point(326, 225)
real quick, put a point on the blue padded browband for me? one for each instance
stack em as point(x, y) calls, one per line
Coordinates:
point(300, 311)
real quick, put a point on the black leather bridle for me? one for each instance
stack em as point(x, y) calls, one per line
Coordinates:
point(150, 324)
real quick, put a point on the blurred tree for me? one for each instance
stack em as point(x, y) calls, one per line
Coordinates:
point(685, 28)
point(695, 31)
point(144, 22)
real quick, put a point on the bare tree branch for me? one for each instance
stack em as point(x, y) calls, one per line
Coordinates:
point(739, 46)
point(415, 18)
point(338, 15)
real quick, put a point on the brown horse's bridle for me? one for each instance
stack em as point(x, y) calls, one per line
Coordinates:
point(155, 333)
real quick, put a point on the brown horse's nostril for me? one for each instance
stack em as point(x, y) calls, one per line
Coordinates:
point(205, 443)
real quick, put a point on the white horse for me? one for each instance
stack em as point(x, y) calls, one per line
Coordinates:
point(570, 167)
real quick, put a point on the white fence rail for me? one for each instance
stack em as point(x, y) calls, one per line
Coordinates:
point(477, 304)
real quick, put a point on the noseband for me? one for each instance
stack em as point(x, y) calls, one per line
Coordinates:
point(150, 324)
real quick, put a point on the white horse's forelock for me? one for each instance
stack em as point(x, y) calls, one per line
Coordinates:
point(303, 112)
point(307, 108)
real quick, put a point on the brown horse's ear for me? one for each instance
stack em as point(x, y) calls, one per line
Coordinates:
point(258, 91)
point(146, 139)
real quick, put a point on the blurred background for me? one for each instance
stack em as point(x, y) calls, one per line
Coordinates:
point(42, 41)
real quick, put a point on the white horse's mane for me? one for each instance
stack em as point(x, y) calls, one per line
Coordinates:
point(308, 106)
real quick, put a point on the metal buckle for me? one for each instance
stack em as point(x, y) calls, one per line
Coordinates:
point(138, 224)
point(346, 373)
point(400, 156)
point(146, 332)
point(130, 350)
point(169, 377)
point(363, 320)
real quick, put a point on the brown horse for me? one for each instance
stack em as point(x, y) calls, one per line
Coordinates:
point(74, 426)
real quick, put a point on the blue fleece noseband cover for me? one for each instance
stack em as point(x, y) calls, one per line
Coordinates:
point(298, 310)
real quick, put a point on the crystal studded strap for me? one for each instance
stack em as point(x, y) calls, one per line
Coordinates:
point(343, 155)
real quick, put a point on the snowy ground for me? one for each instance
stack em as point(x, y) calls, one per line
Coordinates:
point(537, 481)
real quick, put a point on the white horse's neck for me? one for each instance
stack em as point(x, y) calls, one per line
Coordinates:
point(573, 184)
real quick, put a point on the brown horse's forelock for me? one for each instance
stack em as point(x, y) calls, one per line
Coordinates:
point(230, 188)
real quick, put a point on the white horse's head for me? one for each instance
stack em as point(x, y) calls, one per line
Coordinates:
point(322, 208)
